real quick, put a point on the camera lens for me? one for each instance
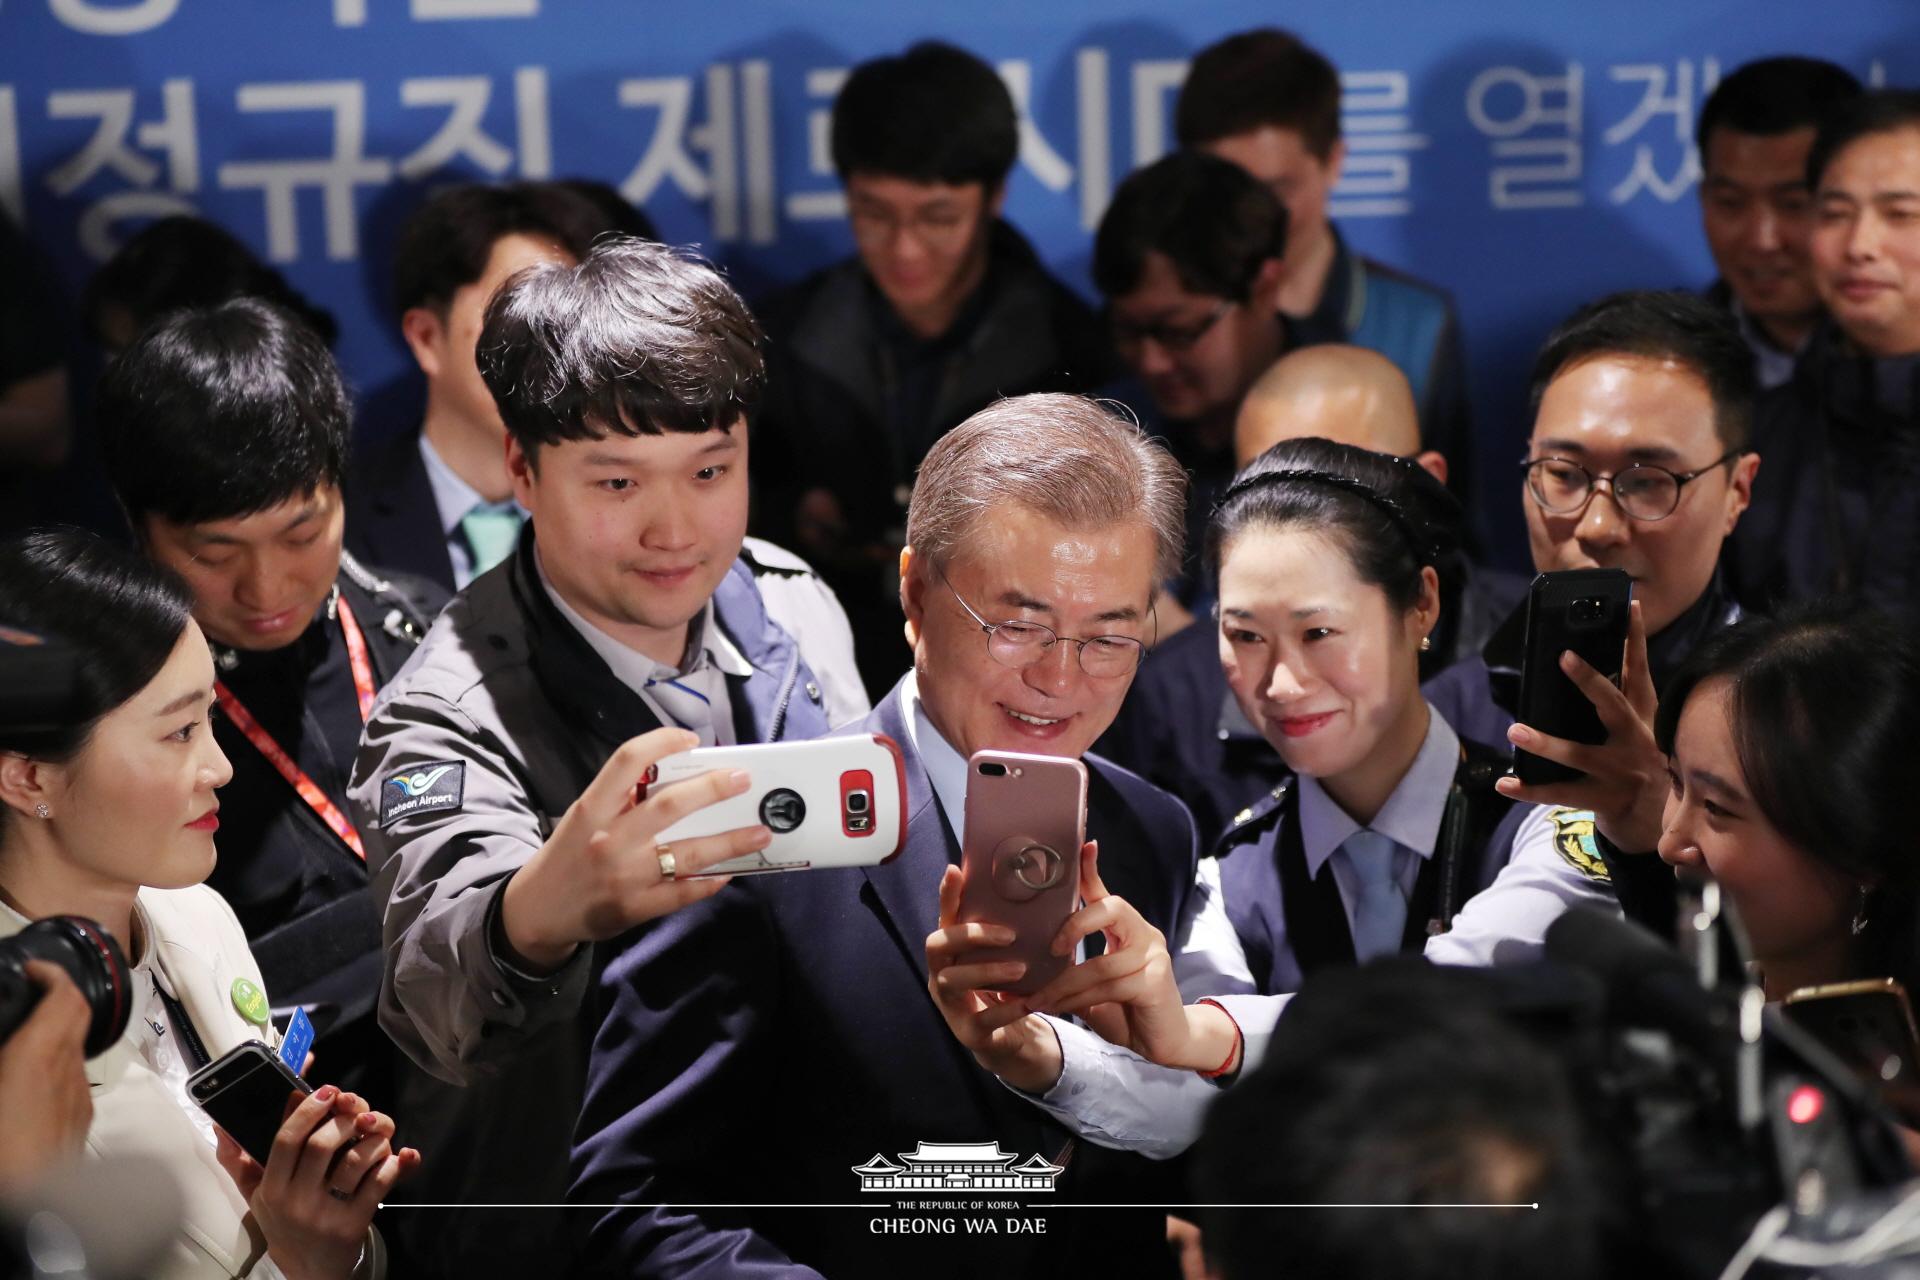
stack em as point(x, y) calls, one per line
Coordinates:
point(91, 958)
point(857, 802)
point(1588, 609)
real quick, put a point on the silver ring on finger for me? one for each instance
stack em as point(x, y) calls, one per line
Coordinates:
point(665, 854)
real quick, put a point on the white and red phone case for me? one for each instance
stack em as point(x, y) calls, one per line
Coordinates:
point(830, 802)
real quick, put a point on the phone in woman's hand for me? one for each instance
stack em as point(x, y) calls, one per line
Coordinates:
point(246, 1092)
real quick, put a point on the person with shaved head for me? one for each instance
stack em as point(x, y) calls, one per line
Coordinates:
point(1346, 394)
point(1215, 759)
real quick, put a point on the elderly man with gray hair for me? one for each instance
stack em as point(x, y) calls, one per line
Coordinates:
point(760, 1046)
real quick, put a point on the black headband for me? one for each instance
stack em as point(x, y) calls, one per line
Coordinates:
point(1423, 549)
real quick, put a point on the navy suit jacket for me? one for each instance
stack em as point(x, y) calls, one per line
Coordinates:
point(391, 517)
point(755, 1047)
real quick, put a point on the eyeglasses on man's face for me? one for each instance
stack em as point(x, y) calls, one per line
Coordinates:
point(1128, 336)
point(941, 226)
point(1644, 492)
point(1019, 644)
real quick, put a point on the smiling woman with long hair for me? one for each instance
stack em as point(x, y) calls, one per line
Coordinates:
point(111, 814)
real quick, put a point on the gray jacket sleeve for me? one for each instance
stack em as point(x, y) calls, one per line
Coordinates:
point(439, 869)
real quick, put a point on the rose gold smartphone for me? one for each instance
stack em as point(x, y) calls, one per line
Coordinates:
point(1026, 821)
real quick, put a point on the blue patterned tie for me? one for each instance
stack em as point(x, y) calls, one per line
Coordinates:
point(1380, 910)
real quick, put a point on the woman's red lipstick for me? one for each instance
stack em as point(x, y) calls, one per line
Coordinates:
point(208, 821)
point(1301, 726)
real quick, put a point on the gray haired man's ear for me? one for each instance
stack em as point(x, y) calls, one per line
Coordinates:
point(913, 599)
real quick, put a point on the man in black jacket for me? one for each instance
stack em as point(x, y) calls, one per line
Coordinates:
point(942, 309)
point(1839, 511)
point(1754, 132)
point(1640, 460)
point(225, 436)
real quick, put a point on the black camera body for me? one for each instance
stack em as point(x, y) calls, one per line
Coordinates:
point(90, 957)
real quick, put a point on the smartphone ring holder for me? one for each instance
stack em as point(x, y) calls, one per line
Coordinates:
point(1023, 868)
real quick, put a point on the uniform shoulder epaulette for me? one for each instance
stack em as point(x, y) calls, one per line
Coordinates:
point(1261, 807)
point(764, 557)
point(1573, 839)
point(404, 619)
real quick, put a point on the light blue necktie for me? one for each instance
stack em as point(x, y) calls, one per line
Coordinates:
point(491, 530)
point(693, 699)
point(1380, 910)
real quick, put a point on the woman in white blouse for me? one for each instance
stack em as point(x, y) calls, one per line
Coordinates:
point(111, 815)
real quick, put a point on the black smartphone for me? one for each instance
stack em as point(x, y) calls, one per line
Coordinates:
point(246, 1093)
point(1584, 610)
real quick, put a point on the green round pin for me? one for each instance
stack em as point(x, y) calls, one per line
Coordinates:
point(251, 1001)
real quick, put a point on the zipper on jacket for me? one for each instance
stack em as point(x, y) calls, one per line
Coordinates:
point(787, 682)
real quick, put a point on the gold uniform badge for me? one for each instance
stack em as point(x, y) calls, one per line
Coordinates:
point(1573, 837)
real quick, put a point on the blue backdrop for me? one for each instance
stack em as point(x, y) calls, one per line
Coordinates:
point(1527, 154)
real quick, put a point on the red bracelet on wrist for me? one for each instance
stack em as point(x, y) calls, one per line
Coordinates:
point(1233, 1053)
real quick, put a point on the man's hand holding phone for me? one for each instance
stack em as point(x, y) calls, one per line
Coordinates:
point(1625, 782)
point(600, 873)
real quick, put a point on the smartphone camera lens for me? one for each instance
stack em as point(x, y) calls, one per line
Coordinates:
point(1588, 611)
point(991, 769)
point(859, 807)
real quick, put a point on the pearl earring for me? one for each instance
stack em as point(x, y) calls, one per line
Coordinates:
point(41, 811)
point(1426, 644)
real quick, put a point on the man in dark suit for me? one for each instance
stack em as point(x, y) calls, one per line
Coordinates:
point(759, 1047)
point(437, 502)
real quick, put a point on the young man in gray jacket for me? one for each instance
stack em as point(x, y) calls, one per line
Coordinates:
point(496, 778)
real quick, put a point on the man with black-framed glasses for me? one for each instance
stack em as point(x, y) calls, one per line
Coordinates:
point(1638, 461)
point(1188, 258)
point(789, 1017)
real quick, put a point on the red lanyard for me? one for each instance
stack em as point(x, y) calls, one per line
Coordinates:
point(296, 777)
